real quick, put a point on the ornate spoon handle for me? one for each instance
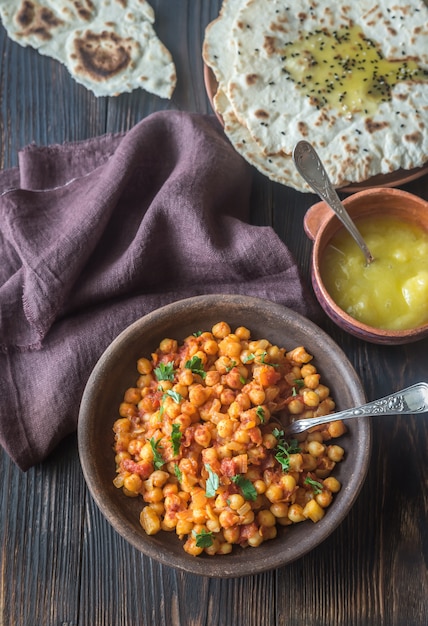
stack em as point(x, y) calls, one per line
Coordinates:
point(310, 167)
point(411, 400)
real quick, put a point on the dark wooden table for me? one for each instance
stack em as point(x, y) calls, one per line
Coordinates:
point(61, 562)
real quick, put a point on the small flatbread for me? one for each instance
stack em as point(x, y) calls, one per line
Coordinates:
point(109, 46)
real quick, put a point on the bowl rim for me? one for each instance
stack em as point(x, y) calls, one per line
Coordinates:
point(224, 566)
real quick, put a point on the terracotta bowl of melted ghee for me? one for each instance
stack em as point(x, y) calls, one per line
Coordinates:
point(387, 301)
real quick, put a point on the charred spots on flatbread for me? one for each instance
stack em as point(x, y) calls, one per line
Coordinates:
point(261, 114)
point(373, 126)
point(36, 20)
point(101, 55)
point(84, 10)
point(415, 138)
point(269, 45)
point(251, 79)
point(303, 129)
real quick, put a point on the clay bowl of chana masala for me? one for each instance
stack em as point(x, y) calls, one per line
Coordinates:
point(182, 444)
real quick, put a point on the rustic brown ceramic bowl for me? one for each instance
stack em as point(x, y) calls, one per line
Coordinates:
point(116, 370)
point(321, 224)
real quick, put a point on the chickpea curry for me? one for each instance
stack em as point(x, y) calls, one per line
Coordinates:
point(199, 440)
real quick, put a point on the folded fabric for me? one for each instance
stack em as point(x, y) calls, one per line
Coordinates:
point(95, 234)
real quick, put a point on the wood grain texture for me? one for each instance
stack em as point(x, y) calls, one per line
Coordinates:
point(61, 564)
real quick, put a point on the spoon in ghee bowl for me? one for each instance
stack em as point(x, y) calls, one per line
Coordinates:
point(310, 167)
point(412, 400)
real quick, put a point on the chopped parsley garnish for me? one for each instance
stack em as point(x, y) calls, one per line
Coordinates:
point(178, 472)
point(176, 438)
point(165, 371)
point(231, 366)
point(299, 382)
point(177, 397)
point(195, 364)
point(212, 483)
point(246, 486)
point(262, 360)
point(248, 358)
point(198, 333)
point(316, 486)
point(157, 457)
point(261, 414)
point(284, 449)
point(204, 539)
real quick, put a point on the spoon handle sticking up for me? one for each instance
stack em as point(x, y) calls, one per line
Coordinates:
point(411, 400)
point(310, 167)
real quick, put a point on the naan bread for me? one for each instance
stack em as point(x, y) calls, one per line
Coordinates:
point(247, 49)
point(109, 46)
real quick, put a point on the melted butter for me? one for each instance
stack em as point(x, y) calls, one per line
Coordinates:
point(390, 293)
point(345, 70)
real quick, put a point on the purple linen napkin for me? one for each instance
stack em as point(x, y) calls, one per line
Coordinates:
point(95, 234)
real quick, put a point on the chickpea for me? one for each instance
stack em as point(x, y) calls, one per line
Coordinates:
point(231, 534)
point(274, 493)
point(168, 345)
point(295, 406)
point(332, 484)
point(198, 395)
point(255, 540)
point(242, 333)
point(150, 521)
point(225, 428)
point(335, 453)
point(126, 409)
point(266, 518)
point(295, 513)
point(324, 498)
point(322, 391)
point(315, 448)
point(210, 347)
point(153, 495)
point(299, 355)
point(122, 425)
point(236, 501)
point(311, 398)
point(313, 511)
point(144, 366)
point(257, 396)
point(279, 509)
point(221, 330)
point(185, 377)
point(336, 429)
point(212, 378)
point(133, 483)
point(260, 486)
point(159, 478)
point(308, 370)
point(228, 519)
